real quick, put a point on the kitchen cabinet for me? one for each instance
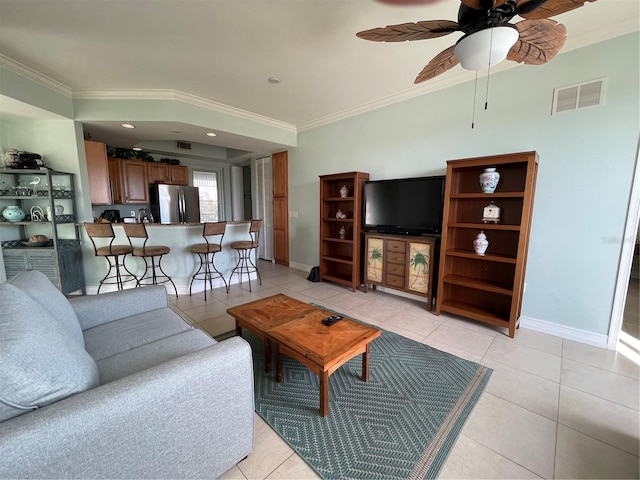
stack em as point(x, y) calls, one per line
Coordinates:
point(401, 262)
point(98, 172)
point(129, 181)
point(113, 165)
point(164, 173)
point(486, 287)
point(340, 228)
point(48, 199)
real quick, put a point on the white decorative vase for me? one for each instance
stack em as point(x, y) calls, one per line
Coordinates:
point(13, 213)
point(481, 243)
point(489, 180)
point(344, 191)
point(342, 232)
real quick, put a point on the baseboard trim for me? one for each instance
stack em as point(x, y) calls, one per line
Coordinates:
point(299, 266)
point(570, 333)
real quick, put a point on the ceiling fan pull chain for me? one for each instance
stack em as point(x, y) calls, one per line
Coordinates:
point(475, 95)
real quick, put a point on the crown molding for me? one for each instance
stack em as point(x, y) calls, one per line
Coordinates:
point(35, 76)
point(446, 81)
point(176, 95)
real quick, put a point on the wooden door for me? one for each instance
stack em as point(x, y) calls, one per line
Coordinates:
point(134, 182)
point(281, 207)
point(98, 172)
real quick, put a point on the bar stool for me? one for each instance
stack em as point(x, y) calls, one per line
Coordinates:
point(114, 254)
point(244, 248)
point(206, 252)
point(151, 254)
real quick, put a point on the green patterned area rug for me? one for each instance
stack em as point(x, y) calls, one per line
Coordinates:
point(401, 424)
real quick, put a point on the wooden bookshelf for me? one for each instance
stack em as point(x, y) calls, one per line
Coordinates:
point(341, 258)
point(486, 288)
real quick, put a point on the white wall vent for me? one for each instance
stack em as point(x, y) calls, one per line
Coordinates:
point(183, 145)
point(582, 95)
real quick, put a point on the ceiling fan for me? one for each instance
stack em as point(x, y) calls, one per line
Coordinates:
point(488, 38)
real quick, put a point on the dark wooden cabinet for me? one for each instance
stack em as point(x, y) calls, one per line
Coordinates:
point(341, 238)
point(488, 287)
point(401, 262)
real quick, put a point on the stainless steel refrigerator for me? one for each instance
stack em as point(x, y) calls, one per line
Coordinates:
point(174, 204)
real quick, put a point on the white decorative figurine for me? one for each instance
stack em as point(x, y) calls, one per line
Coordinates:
point(481, 243)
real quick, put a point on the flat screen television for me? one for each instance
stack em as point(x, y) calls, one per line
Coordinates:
point(406, 206)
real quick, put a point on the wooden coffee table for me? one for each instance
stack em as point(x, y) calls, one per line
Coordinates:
point(295, 328)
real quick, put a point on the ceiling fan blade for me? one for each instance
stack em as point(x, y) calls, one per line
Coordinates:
point(483, 4)
point(410, 31)
point(439, 64)
point(548, 9)
point(539, 41)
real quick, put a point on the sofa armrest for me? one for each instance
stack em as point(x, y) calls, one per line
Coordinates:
point(192, 417)
point(93, 310)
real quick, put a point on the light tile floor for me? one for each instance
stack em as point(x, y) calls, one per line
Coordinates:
point(553, 408)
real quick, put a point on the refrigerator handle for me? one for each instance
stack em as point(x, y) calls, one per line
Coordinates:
point(181, 206)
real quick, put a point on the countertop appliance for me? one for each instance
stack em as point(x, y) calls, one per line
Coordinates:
point(112, 216)
point(174, 203)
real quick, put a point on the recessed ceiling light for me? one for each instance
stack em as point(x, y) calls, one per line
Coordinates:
point(211, 134)
point(274, 80)
point(137, 149)
point(127, 125)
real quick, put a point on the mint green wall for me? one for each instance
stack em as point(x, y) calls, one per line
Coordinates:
point(19, 88)
point(586, 163)
point(60, 144)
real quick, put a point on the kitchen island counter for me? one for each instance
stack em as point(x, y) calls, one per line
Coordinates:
point(180, 263)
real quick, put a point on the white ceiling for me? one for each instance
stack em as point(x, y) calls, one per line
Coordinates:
point(225, 50)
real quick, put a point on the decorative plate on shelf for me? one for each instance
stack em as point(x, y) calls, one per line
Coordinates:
point(35, 244)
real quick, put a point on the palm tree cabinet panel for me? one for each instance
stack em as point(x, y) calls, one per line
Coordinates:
point(487, 287)
point(340, 228)
point(401, 262)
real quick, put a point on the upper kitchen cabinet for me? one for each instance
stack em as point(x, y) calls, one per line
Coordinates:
point(98, 171)
point(134, 183)
point(170, 174)
point(129, 181)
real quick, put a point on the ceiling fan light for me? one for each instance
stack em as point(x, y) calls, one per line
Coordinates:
point(485, 48)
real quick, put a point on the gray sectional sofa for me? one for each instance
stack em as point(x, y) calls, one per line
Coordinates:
point(116, 386)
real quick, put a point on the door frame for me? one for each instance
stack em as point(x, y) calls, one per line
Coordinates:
point(626, 257)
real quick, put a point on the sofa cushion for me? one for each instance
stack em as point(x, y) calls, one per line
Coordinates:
point(151, 354)
point(130, 332)
point(37, 286)
point(40, 363)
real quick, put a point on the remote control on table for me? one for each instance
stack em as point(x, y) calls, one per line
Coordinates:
point(331, 320)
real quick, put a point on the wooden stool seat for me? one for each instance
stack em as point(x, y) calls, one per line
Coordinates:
point(206, 248)
point(114, 250)
point(151, 251)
